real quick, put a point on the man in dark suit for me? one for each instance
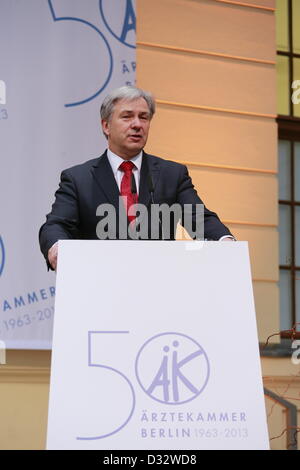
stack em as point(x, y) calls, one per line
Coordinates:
point(123, 173)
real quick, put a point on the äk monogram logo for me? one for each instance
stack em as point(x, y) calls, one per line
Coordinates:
point(172, 368)
point(122, 27)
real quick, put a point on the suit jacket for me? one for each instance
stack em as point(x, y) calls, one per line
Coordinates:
point(84, 187)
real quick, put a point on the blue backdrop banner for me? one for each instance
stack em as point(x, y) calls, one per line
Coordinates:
point(58, 59)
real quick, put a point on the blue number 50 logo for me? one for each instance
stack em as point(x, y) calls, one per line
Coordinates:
point(2, 256)
point(120, 20)
point(171, 368)
point(101, 37)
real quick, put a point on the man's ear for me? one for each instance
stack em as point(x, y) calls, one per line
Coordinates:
point(105, 127)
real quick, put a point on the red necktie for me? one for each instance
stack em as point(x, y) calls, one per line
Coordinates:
point(128, 197)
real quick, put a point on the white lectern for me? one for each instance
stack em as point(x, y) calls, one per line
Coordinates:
point(155, 347)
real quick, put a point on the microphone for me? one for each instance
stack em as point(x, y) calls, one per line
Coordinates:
point(133, 188)
point(151, 190)
point(151, 187)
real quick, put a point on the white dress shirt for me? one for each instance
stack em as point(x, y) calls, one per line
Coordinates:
point(115, 162)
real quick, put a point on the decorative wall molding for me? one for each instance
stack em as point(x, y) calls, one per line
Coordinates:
point(20, 374)
point(228, 167)
point(249, 223)
point(216, 110)
point(220, 55)
point(247, 5)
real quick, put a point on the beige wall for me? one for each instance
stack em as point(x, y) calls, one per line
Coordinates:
point(24, 391)
point(211, 66)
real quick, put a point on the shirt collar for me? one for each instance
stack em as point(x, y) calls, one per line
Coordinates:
point(115, 161)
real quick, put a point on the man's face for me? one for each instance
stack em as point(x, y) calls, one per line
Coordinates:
point(128, 127)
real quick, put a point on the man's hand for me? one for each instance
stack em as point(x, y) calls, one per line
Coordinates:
point(52, 255)
point(228, 239)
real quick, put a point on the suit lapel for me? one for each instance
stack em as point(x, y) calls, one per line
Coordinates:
point(104, 177)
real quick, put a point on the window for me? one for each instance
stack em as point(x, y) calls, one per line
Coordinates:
point(289, 232)
point(288, 70)
point(288, 54)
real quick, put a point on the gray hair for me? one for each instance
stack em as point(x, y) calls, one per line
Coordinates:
point(125, 93)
